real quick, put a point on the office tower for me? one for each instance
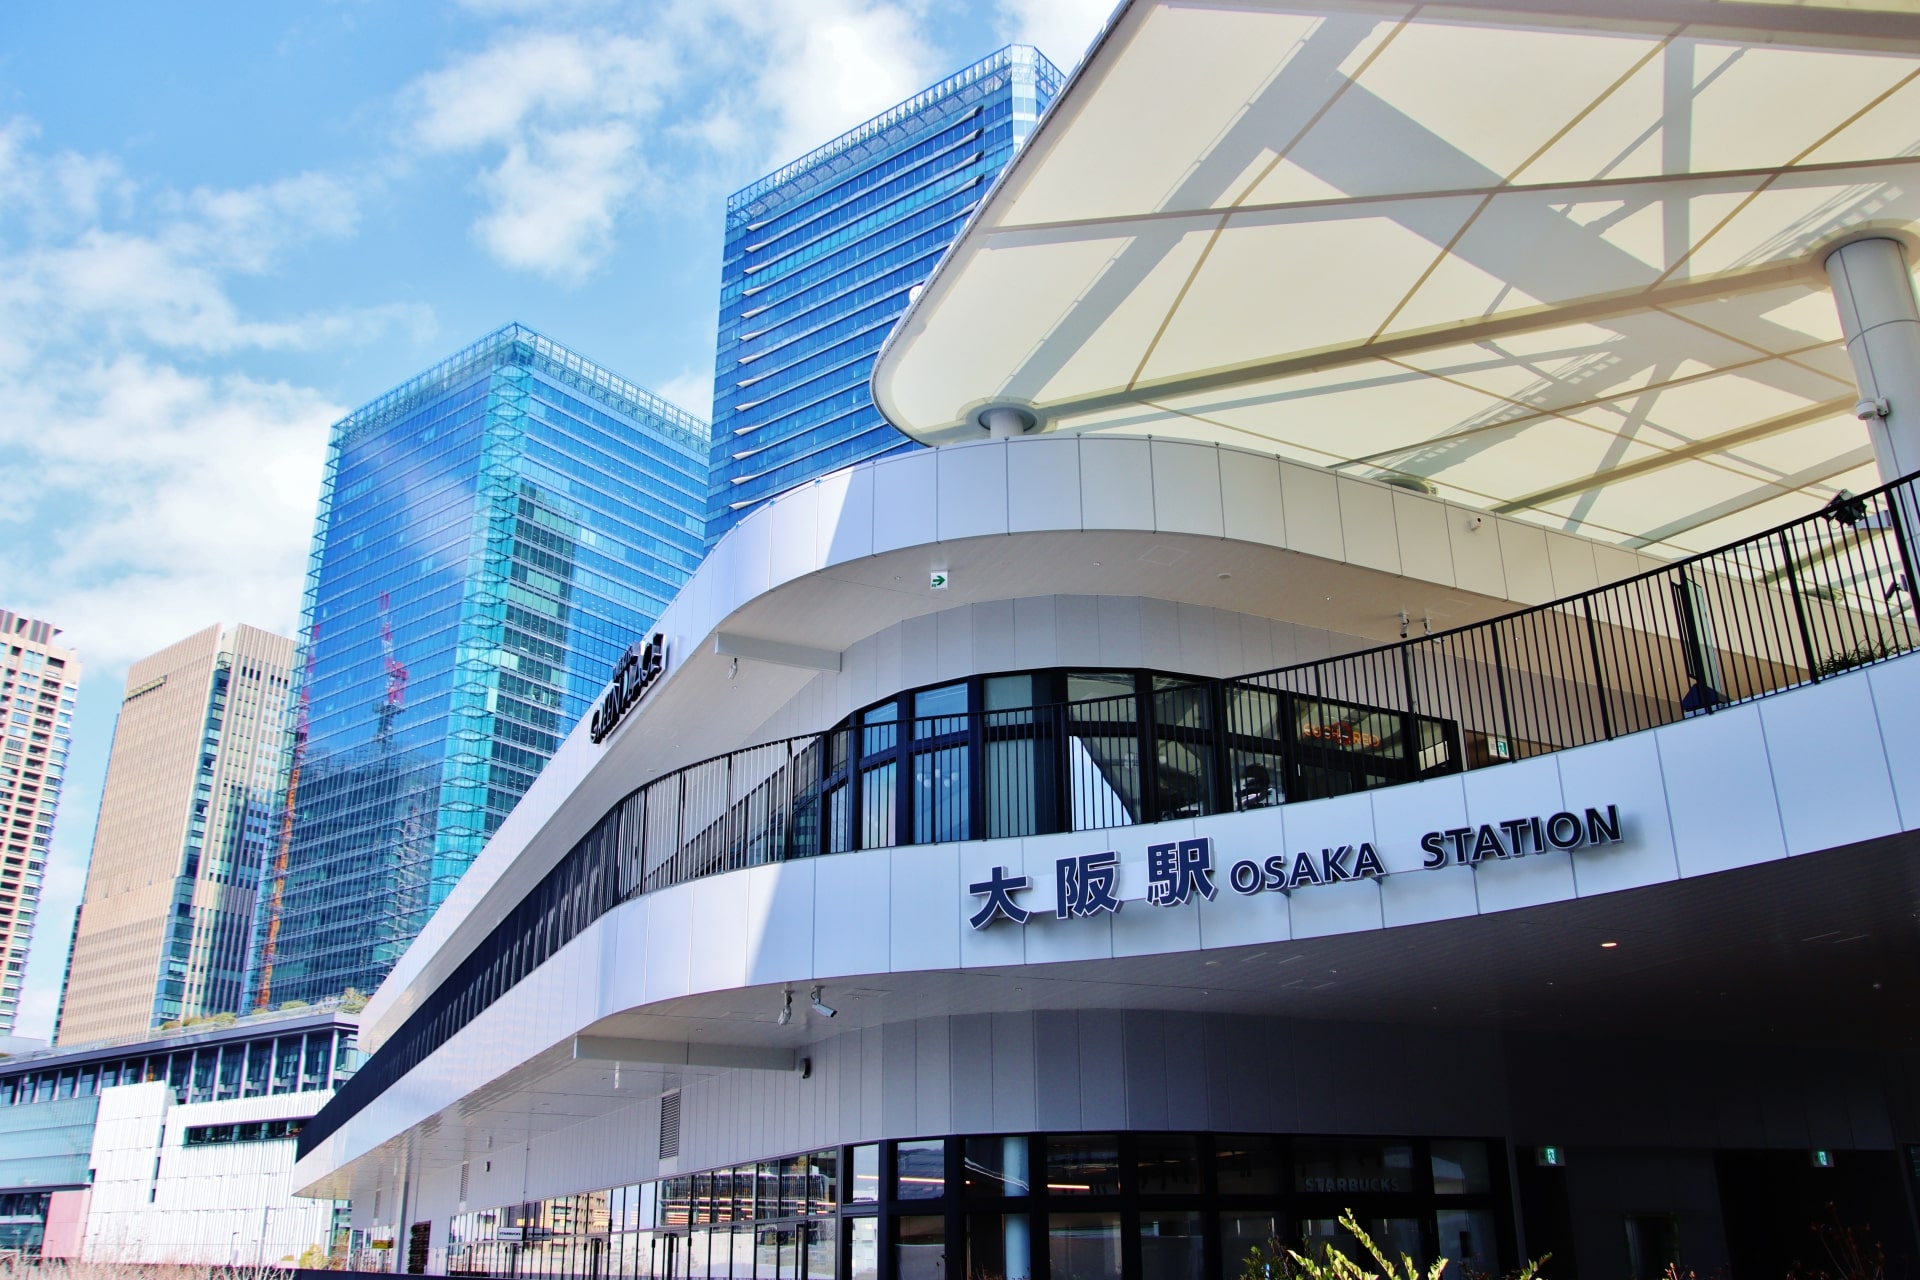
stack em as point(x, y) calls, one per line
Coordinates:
point(492, 536)
point(186, 823)
point(38, 681)
point(821, 257)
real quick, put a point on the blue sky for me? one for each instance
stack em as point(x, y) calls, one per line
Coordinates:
point(222, 226)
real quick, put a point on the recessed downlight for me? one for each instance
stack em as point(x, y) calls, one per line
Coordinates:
point(1608, 946)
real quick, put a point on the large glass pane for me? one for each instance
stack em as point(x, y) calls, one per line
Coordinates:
point(1245, 1165)
point(1010, 803)
point(1083, 1164)
point(940, 800)
point(1240, 1233)
point(922, 1169)
point(920, 1249)
point(999, 1247)
point(1460, 1168)
point(997, 1167)
point(1183, 750)
point(1008, 693)
point(1084, 1246)
point(743, 1241)
point(793, 1186)
point(1358, 1166)
point(1168, 1164)
point(1466, 1240)
point(768, 1243)
point(941, 711)
point(840, 819)
point(1172, 1245)
point(880, 729)
point(877, 804)
point(863, 1249)
point(866, 1174)
point(823, 1181)
point(1393, 1236)
point(822, 1244)
point(1653, 1245)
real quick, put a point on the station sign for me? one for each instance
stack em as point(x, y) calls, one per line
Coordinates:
point(1178, 871)
point(645, 662)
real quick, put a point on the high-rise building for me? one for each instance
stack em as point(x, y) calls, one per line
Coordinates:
point(38, 681)
point(186, 823)
point(493, 535)
point(821, 257)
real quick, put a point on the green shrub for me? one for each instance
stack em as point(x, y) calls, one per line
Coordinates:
point(1277, 1262)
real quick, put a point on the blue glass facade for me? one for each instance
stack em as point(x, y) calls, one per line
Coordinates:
point(491, 538)
point(820, 259)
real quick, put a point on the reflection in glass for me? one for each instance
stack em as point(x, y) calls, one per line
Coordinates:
point(1460, 1168)
point(1245, 1166)
point(866, 1174)
point(1168, 1164)
point(922, 1169)
point(1084, 1246)
point(940, 795)
point(921, 1249)
point(1240, 1234)
point(1394, 1236)
point(996, 1167)
point(1466, 1238)
point(1083, 1164)
point(877, 806)
point(999, 1247)
point(1353, 1166)
point(822, 1242)
point(1171, 1245)
point(863, 1248)
point(940, 711)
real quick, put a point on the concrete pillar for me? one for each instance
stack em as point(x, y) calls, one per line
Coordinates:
point(1874, 292)
point(1004, 422)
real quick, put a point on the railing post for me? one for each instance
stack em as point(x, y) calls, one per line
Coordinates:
point(1799, 606)
point(1599, 681)
point(1500, 678)
point(1407, 727)
point(1899, 521)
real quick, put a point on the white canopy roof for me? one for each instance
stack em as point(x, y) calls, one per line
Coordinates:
point(1561, 258)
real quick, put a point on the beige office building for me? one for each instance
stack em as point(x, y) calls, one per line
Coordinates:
point(38, 681)
point(186, 818)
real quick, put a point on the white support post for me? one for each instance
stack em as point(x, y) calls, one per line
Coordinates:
point(1874, 291)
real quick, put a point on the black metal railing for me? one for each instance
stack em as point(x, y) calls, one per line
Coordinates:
point(1787, 607)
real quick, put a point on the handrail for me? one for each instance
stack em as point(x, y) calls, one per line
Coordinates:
point(1790, 606)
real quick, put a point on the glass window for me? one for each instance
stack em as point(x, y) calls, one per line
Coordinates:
point(1240, 1234)
point(793, 1186)
point(823, 1191)
point(1653, 1245)
point(1393, 1236)
point(1245, 1166)
point(1168, 1164)
point(1172, 1245)
point(922, 1171)
point(1103, 752)
point(863, 1249)
point(1084, 1246)
point(822, 1244)
point(1466, 1240)
point(940, 711)
point(880, 729)
point(999, 1246)
point(1008, 693)
point(1083, 1164)
point(877, 804)
point(920, 1249)
point(1355, 1166)
point(1460, 1168)
point(743, 1239)
point(865, 1188)
point(996, 1167)
point(940, 797)
point(766, 1194)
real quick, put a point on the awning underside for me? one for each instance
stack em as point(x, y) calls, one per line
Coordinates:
point(1564, 267)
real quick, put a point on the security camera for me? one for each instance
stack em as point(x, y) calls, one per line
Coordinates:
point(786, 1010)
point(819, 1008)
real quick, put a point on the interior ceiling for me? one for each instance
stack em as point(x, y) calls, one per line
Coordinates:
point(1824, 947)
point(1564, 266)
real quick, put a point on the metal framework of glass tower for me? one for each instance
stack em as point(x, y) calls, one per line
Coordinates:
point(492, 536)
point(820, 258)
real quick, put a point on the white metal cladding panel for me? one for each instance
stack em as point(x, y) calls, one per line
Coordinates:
point(1718, 780)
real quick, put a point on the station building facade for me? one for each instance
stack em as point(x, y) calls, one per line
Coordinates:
point(1139, 829)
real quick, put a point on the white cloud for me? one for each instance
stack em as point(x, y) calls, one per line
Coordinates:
point(572, 124)
point(692, 390)
point(1061, 29)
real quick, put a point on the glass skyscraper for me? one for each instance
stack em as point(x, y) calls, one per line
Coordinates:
point(820, 258)
point(492, 536)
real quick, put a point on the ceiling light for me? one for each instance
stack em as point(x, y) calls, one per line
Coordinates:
point(1608, 946)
